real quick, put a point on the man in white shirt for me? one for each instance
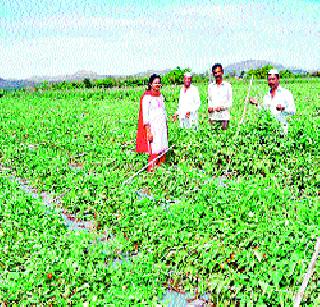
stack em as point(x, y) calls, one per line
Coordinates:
point(189, 103)
point(219, 98)
point(278, 101)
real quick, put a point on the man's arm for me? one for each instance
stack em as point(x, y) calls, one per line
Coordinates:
point(291, 107)
point(196, 101)
point(254, 98)
point(263, 106)
point(228, 104)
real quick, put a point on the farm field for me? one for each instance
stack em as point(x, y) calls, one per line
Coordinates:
point(245, 237)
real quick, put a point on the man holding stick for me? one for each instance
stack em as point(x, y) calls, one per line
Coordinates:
point(278, 101)
point(189, 103)
point(219, 98)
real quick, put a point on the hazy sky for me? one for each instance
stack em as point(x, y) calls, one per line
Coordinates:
point(48, 37)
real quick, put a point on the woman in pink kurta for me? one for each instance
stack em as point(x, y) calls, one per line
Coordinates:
point(153, 138)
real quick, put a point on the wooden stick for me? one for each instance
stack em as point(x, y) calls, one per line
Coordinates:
point(145, 167)
point(299, 295)
point(246, 102)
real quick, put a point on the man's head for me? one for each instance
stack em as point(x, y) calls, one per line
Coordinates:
point(273, 78)
point(187, 79)
point(217, 72)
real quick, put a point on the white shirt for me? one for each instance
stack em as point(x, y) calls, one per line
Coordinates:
point(189, 101)
point(283, 97)
point(220, 96)
point(154, 115)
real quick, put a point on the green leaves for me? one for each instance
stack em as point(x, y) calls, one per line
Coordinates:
point(80, 146)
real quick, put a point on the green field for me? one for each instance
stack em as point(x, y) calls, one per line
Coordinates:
point(244, 239)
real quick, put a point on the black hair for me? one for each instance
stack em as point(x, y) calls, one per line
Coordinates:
point(215, 66)
point(152, 77)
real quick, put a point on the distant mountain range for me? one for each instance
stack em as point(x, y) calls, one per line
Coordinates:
point(255, 64)
point(150, 72)
point(79, 75)
point(83, 74)
point(250, 64)
point(12, 84)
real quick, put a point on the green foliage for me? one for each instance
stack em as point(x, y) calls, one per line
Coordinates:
point(286, 74)
point(2, 92)
point(174, 76)
point(87, 83)
point(260, 73)
point(248, 238)
point(106, 83)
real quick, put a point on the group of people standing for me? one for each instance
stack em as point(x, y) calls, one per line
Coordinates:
point(152, 134)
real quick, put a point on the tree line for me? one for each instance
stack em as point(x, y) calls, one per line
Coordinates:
point(175, 77)
point(172, 77)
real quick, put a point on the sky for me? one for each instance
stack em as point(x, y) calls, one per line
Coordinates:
point(60, 37)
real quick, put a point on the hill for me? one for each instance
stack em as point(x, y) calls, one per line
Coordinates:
point(255, 64)
point(251, 64)
point(83, 74)
point(13, 84)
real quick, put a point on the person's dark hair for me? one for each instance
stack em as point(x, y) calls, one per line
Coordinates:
point(153, 76)
point(215, 66)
